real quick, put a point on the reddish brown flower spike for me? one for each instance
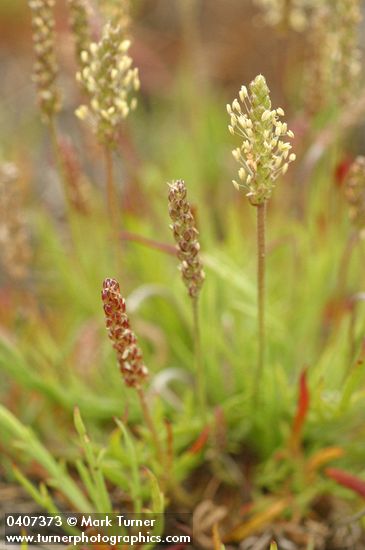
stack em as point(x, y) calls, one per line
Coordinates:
point(129, 355)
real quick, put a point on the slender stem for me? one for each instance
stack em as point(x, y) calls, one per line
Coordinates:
point(59, 162)
point(345, 263)
point(69, 214)
point(286, 18)
point(351, 335)
point(199, 360)
point(261, 256)
point(174, 486)
point(191, 33)
point(111, 194)
point(341, 288)
point(150, 424)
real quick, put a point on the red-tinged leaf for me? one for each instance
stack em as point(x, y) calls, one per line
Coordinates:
point(347, 480)
point(150, 243)
point(198, 445)
point(301, 414)
point(342, 169)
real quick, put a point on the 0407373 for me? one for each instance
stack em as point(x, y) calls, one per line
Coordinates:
point(22, 520)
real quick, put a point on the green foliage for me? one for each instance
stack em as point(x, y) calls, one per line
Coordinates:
point(27, 442)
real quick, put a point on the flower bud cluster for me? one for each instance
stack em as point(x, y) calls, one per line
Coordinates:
point(355, 192)
point(80, 26)
point(335, 63)
point(186, 237)
point(45, 67)
point(295, 13)
point(110, 79)
point(347, 58)
point(124, 340)
point(263, 155)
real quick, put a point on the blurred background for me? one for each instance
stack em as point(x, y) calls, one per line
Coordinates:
point(185, 49)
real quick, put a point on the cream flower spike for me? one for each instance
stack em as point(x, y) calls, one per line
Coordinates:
point(264, 154)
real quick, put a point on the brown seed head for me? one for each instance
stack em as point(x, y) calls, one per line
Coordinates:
point(129, 354)
point(45, 67)
point(355, 192)
point(15, 251)
point(186, 237)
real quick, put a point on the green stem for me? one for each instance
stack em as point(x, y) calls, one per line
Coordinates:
point(199, 360)
point(111, 194)
point(150, 424)
point(69, 214)
point(351, 336)
point(261, 257)
point(191, 33)
point(345, 263)
point(59, 163)
point(286, 18)
point(168, 481)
